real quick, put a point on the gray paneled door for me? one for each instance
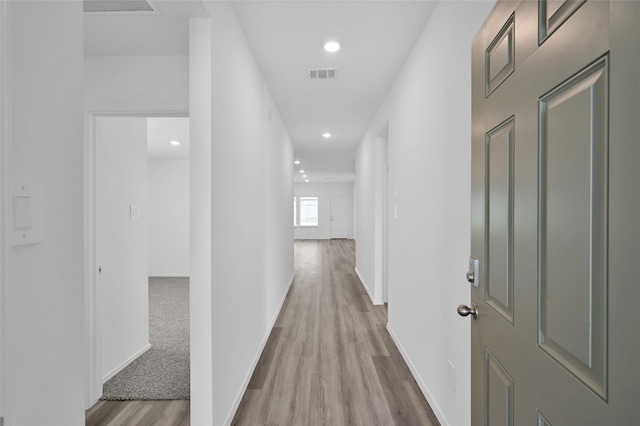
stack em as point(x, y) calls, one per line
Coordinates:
point(555, 205)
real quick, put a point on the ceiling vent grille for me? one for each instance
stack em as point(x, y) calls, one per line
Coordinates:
point(323, 74)
point(119, 7)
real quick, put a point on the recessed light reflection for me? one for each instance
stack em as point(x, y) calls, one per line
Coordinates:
point(332, 46)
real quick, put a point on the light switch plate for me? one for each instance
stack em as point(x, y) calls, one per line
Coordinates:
point(22, 212)
point(135, 212)
point(27, 220)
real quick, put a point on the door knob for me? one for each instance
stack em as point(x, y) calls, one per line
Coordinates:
point(464, 310)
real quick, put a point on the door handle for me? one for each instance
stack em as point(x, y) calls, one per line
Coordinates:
point(464, 310)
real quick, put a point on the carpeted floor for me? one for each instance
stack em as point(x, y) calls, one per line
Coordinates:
point(163, 371)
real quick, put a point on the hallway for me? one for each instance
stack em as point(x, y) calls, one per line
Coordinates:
point(329, 358)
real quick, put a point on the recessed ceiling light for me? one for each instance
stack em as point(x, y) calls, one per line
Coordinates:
point(296, 162)
point(332, 46)
point(175, 143)
point(307, 180)
point(304, 175)
point(326, 135)
point(301, 171)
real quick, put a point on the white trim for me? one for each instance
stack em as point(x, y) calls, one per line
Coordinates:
point(93, 340)
point(125, 363)
point(254, 364)
point(423, 387)
point(5, 196)
point(364, 284)
point(122, 109)
point(93, 334)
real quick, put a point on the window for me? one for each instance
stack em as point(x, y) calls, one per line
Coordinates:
point(307, 215)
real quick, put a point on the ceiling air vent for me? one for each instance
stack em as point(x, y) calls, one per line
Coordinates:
point(323, 74)
point(119, 7)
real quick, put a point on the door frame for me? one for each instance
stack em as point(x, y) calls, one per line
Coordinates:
point(93, 331)
point(346, 216)
point(5, 197)
point(381, 213)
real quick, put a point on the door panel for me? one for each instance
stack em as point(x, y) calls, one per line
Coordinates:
point(543, 185)
point(500, 58)
point(339, 217)
point(542, 421)
point(499, 172)
point(498, 392)
point(553, 13)
point(572, 222)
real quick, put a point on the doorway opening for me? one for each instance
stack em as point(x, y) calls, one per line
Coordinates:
point(339, 217)
point(138, 260)
point(382, 209)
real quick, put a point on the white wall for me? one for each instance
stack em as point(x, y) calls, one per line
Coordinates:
point(364, 191)
point(278, 192)
point(130, 83)
point(43, 300)
point(428, 111)
point(251, 260)
point(121, 240)
point(168, 215)
point(123, 85)
point(201, 326)
point(324, 192)
point(5, 204)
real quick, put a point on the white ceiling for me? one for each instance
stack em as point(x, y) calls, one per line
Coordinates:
point(287, 38)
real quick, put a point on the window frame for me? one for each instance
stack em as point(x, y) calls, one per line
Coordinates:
point(297, 213)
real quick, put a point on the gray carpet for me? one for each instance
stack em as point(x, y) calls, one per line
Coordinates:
point(163, 371)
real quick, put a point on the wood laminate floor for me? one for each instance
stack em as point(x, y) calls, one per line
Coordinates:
point(329, 359)
point(138, 413)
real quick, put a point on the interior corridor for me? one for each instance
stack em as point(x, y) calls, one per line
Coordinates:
point(329, 359)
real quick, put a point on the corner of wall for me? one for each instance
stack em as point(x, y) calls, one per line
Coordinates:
point(256, 358)
point(437, 410)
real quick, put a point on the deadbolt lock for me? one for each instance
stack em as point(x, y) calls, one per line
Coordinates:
point(473, 276)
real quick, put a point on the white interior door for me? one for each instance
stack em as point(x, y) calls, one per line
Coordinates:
point(339, 218)
point(555, 152)
point(121, 241)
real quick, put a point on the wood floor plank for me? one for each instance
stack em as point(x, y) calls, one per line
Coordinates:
point(139, 413)
point(132, 413)
point(103, 413)
point(333, 362)
point(264, 364)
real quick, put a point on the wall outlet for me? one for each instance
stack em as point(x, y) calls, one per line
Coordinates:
point(135, 212)
point(451, 375)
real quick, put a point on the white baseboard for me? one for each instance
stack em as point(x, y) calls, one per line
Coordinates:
point(364, 284)
point(254, 364)
point(125, 363)
point(423, 387)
